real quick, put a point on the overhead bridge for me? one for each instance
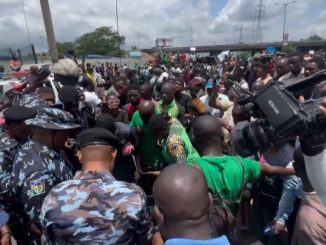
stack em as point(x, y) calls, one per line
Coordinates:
point(253, 47)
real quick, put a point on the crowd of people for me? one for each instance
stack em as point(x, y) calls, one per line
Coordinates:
point(144, 155)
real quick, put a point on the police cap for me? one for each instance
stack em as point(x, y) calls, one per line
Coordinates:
point(19, 113)
point(97, 136)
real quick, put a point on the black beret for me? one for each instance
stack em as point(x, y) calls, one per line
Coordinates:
point(97, 136)
point(19, 113)
point(68, 94)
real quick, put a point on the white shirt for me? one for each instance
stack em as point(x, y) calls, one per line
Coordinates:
point(213, 111)
point(316, 171)
point(92, 99)
point(163, 75)
point(98, 77)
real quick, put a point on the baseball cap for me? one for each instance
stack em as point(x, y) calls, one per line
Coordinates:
point(12, 86)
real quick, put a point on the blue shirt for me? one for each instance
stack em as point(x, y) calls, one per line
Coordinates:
point(222, 240)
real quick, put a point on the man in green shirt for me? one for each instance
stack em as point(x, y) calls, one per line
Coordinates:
point(168, 105)
point(149, 154)
point(173, 138)
point(225, 175)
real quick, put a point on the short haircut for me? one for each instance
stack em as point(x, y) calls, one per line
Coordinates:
point(45, 90)
point(157, 123)
point(134, 87)
point(106, 121)
point(319, 62)
point(296, 54)
point(120, 79)
point(263, 66)
point(179, 79)
point(110, 95)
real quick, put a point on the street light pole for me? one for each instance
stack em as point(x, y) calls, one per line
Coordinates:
point(285, 5)
point(117, 17)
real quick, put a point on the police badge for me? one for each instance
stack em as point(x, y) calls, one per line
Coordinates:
point(37, 187)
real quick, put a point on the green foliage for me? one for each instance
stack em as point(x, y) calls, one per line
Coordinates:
point(288, 49)
point(64, 47)
point(315, 37)
point(103, 41)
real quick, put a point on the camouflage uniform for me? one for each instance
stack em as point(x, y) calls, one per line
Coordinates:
point(37, 168)
point(94, 208)
point(30, 101)
point(8, 149)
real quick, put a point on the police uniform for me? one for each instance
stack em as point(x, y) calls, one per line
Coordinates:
point(8, 150)
point(33, 101)
point(37, 168)
point(95, 208)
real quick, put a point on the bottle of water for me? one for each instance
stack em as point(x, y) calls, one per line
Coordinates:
point(269, 230)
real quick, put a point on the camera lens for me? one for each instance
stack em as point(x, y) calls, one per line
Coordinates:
point(248, 138)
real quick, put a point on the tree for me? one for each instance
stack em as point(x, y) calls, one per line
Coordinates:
point(314, 37)
point(288, 49)
point(64, 47)
point(103, 41)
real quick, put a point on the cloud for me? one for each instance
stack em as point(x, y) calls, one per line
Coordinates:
point(144, 20)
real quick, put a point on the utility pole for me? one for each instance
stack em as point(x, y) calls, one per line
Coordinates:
point(45, 7)
point(285, 5)
point(259, 17)
point(117, 18)
point(190, 37)
point(241, 29)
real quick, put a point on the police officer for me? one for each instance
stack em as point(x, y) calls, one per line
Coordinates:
point(94, 208)
point(39, 166)
point(15, 134)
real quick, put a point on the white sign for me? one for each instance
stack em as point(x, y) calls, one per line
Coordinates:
point(164, 42)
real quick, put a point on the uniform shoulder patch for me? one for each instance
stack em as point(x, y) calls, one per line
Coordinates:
point(37, 187)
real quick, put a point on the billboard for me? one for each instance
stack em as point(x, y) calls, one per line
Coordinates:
point(164, 42)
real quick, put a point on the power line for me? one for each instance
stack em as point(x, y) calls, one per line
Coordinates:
point(25, 18)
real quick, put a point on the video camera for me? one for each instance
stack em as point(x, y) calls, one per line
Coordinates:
point(281, 117)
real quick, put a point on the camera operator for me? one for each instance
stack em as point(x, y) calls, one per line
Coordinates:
point(315, 159)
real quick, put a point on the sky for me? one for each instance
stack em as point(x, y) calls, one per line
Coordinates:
point(188, 22)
